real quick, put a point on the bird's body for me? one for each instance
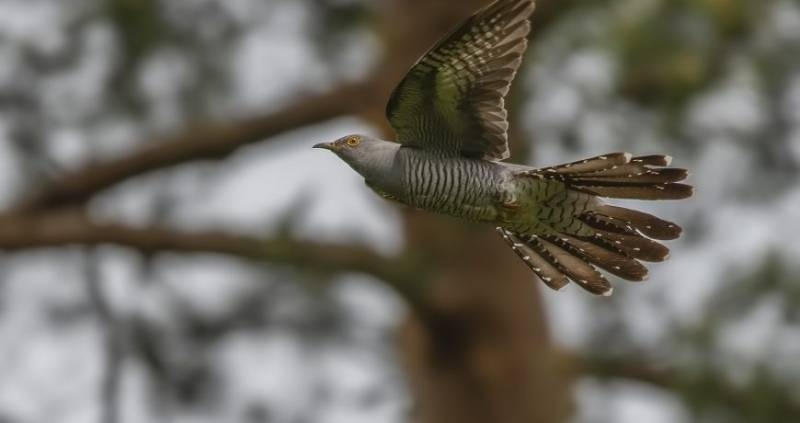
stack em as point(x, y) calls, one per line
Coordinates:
point(472, 189)
point(457, 186)
point(450, 119)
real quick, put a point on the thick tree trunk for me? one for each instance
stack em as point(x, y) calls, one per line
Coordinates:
point(480, 350)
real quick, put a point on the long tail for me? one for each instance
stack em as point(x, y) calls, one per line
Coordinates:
point(594, 235)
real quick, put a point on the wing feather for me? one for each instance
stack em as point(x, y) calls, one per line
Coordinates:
point(452, 99)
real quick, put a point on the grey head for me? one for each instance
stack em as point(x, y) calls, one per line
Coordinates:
point(371, 157)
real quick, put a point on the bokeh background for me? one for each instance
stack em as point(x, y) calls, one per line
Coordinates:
point(174, 250)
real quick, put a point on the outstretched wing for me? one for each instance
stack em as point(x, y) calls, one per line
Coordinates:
point(452, 99)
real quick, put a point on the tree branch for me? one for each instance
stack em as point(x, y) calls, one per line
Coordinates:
point(220, 140)
point(712, 385)
point(204, 142)
point(62, 229)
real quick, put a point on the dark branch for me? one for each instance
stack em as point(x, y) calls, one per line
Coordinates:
point(220, 140)
point(715, 387)
point(62, 229)
point(203, 142)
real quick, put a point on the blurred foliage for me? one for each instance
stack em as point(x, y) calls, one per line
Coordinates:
point(708, 381)
point(199, 31)
point(775, 278)
point(674, 49)
point(670, 53)
point(334, 21)
point(140, 25)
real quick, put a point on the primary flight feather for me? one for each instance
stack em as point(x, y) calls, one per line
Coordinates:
point(451, 124)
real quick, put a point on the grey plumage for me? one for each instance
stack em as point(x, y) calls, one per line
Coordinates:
point(451, 126)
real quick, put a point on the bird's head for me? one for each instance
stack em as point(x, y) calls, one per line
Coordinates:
point(363, 153)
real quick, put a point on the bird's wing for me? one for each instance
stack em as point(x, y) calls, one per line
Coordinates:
point(452, 99)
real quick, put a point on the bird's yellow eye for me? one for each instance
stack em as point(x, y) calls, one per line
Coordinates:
point(353, 141)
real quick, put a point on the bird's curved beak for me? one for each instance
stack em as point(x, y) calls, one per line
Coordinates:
point(324, 145)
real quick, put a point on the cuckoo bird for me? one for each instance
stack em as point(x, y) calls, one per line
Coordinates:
point(451, 125)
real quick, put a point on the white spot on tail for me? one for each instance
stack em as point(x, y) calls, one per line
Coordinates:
point(668, 160)
point(628, 157)
point(609, 293)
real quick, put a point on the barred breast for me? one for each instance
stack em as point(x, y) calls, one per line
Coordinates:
point(459, 187)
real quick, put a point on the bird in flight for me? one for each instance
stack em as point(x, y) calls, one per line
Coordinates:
point(451, 125)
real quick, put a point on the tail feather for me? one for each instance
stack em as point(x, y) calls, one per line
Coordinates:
point(578, 270)
point(619, 175)
point(603, 222)
point(555, 265)
point(645, 223)
point(633, 246)
point(578, 240)
point(635, 191)
point(642, 176)
point(654, 160)
point(616, 263)
point(593, 164)
point(557, 259)
point(536, 260)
